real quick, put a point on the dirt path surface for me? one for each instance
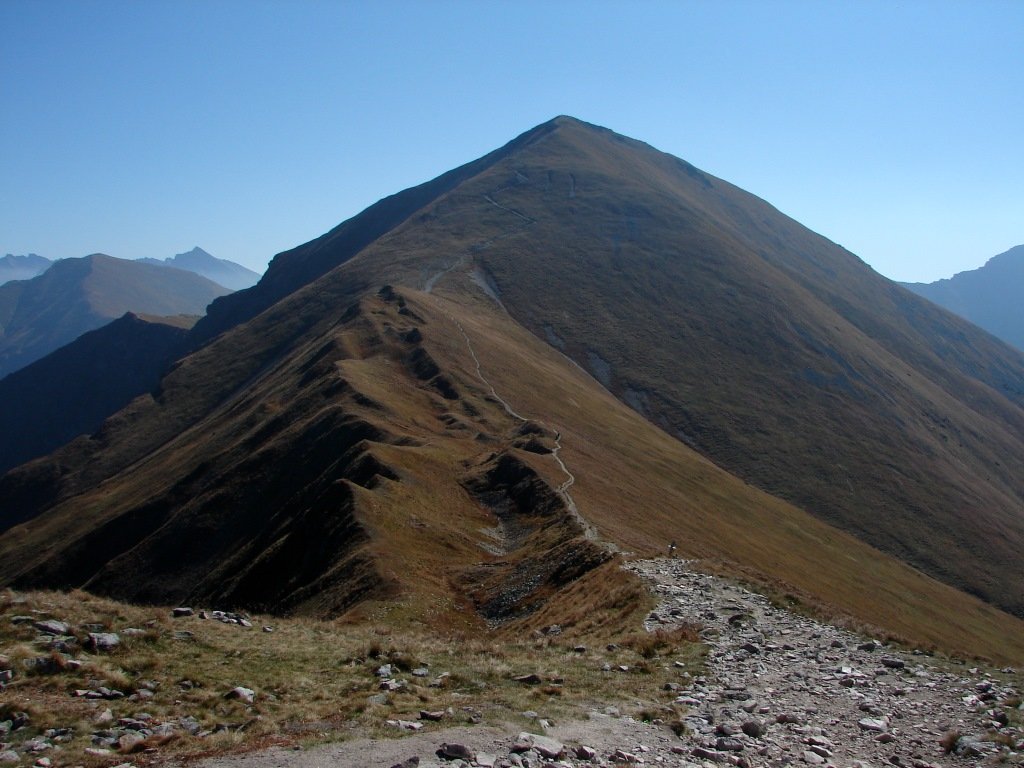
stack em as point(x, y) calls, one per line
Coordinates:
point(779, 690)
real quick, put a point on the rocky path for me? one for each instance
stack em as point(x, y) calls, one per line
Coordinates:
point(779, 690)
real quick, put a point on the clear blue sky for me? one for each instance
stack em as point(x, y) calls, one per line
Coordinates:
point(144, 128)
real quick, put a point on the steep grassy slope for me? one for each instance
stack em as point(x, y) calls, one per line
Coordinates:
point(990, 296)
point(73, 389)
point(411, 492)
point(79, 295)
point(771, 350)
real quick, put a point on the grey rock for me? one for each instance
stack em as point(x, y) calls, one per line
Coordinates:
point(873, 724)
point(9, 756)
point(103, 641)
point(544, 746)
point(53, 627)
point(181, 612)
point(456, 752)
point(241, 693)
point(728, 744)
point(755, 729)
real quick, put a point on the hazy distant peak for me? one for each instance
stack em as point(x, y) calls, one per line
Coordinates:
point(989, 296)
point(221, 271)
point(22, 267)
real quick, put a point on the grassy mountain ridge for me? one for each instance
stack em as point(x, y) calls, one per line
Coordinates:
point(722, 324)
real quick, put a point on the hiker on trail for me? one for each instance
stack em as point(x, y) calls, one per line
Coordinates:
point(672, 550)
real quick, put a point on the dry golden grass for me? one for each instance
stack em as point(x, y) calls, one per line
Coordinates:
point(642, 488)
point(316, 680)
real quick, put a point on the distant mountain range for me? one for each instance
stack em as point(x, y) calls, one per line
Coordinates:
point(991, 297)
point(221, 271)
point(456, 407)
point(73, 296)
point(22, 267)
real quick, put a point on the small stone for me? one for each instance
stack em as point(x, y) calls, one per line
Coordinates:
point(707, 754)
point(242, 694)
point(812, 758)
point(384, 671)
point(103, 641)
point(53, 627)
point(728, 744)
point(531, 679)
point(181, 612)
point(411, 762)
point(421, 672)
point(129, 740)
point(753, 728)
point(44, 762)
point(434, 715)
point(873, 724)
point(9, 756)
point(486, 759)
point(407, 725)
point(893, 663)
point(545, 747)
point(456, 752)
point(585, 753)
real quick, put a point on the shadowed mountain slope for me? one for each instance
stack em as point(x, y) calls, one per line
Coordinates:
point(729, 326)
point(73, 389)
point(77, 295)
point(991, 296)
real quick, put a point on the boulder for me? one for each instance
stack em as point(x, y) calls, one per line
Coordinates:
point(103, 641)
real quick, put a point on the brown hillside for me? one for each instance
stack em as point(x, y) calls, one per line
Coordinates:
point(356, 427)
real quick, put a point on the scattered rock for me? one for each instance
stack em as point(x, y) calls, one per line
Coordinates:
point(456, 752)
point(103, 641)
point(753, 728)
point(241, 693)
point(53, 627)
point(531, 679)
point(181, 612)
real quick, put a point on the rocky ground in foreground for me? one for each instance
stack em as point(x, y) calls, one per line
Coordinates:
point(776, 689)
point(779, 690)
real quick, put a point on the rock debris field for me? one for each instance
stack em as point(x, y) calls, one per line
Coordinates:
point(778, 690)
